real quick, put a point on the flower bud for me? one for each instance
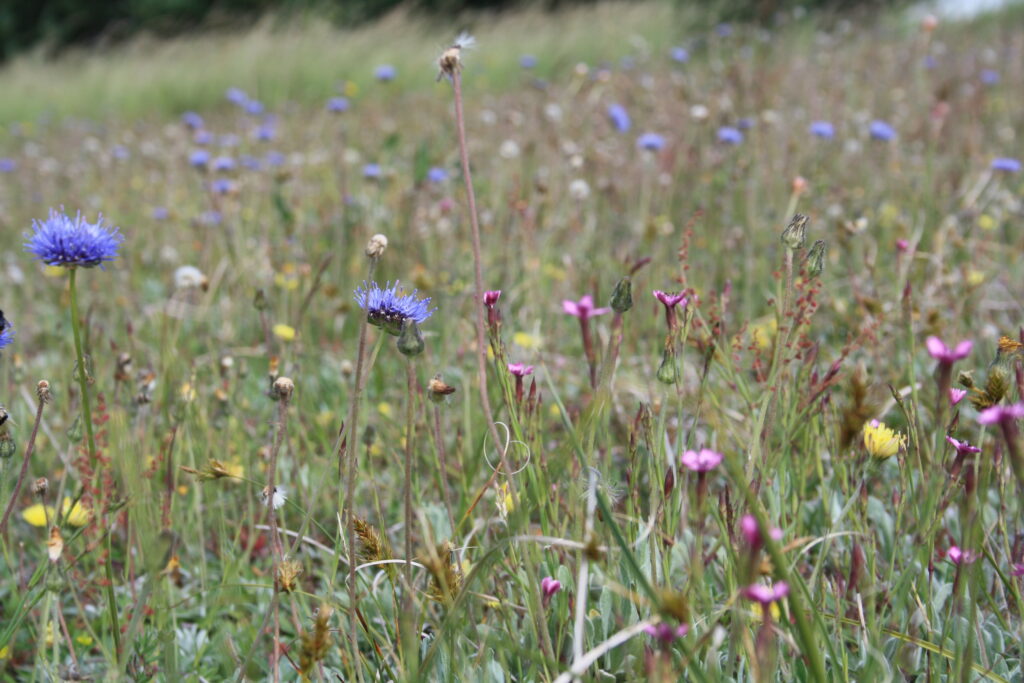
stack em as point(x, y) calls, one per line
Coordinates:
point(410, 341)
point(7, 445)
point(74, 432)
point(622, 295)
point(816, 259)
point(40, 485)
point(376, 246)
point(668, 373)
point(795, 234)
point(43, 391)
point(259, 301)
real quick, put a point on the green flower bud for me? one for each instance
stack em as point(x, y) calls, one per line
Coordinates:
point(668, 373)
point(7, 445)
point(622, 295)
point(410, 342)
point(795, 234)
point(260, 301)
point(816, 259)
point(74, 432)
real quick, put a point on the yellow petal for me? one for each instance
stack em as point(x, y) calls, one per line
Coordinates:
point(384, 408)
point(79, 515)
point(284, 332)
point(36, 514)
point(84, 640)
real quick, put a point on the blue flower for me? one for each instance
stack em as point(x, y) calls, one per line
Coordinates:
point(371, 171)
point(203, 137)
point(385, 73)
point(250, 162)
point(223, 163)
point(723, 30)
point(730, 135)
point(192, 120)
point(199, 158)
point(527, 61)
point(880, 130)
point(823, 129)
point(265, 133)
point(1006, 164)
point(679, 54)
point(72, 242)
point(650, 141)
point(8, 165)
point(229, 140)
point(388, 308)
point(275, 159)
point(6, 332)
point(619, 117)
point(160, 213)
point(437, 175)
point(236, 96)
point(337, 104)
point(221, 186)
point(989, 76)
point(254, 107)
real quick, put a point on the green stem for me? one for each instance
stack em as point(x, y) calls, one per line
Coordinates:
point(83, 383)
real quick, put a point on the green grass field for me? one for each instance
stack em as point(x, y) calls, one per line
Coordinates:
point(689, 492)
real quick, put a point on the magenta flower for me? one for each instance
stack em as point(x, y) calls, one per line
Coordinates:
point(766, 595)
point(703, 460)
point(491, 298)
point(584, 308)
point(958, 556)
point(962, 447)
point(670, 300)
point(945, 355)
point(1017, 569)
point(520, 369)
point(665, 633)
point(548, 587)
point(956, 395)
point(1000, 414)
point(902, 245)
point(751, 532)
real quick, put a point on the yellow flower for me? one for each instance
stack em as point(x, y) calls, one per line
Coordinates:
point(526, 340)
point(881, 441)
point(79, 515)
point(36, 515)
point(505, 504)
point(384, 408)
point(188, 392)
point(84, 640)
point(284, 332)
point(5, 652)
point(975, 277)
point(986, 222)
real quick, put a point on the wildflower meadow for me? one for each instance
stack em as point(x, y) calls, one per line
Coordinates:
point(609, 345)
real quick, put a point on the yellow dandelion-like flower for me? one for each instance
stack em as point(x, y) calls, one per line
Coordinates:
point(84, 640)
point(975, 277)
point(882, 441)
point(36, 514)
point(986, 222)
point(284, 332)
point(5, 652)
point(384, 408)
point(79, 515)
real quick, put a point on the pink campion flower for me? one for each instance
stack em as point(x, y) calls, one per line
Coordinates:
point(902, 245)
point(491, 298)
point(670, 300)
point(958, 556)
point(584, 308)
point(956, 395)
point(548, 587)
point(751, 532)
point(520, 369)
point(766, 595)
point(1017, 569)
point(1000, 413)
point(962, 447)
point(703, 460)
point(945, 355)
point(665, 633)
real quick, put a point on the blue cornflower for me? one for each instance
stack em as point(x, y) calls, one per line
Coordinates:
point(730, 135)
point(723, 30)
point(823, 129)
point(199, 158)
point(619, 117)
point(8, 165)
point(224, 163)
point(679, 54)
point(337, 104)
point(389, 307)
point(192, 120)
point(250, 162)
point(1006, 164)
point(880, 130)
point(120, 152)
point(437, 175)
point(527, 61)
point(72, 242)
point(385, 72)
point(371, 171)
point(652, 142)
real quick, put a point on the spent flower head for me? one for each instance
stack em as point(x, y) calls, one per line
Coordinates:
point(73, 242)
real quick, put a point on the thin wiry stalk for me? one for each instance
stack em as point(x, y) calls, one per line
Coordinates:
point(29, 447)
point(583, 578)
point(83, 383)
point(442, 462)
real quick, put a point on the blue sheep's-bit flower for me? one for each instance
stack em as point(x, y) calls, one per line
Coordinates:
point(72, 242)
point(6, 332)
point(652, 142)
point(823, 129)
point(389, 307)
point(619, 117)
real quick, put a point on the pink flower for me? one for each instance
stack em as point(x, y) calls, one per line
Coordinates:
point(958, 556)
point(945, 355)
point(1017, 569)
point(665, 633)
point(902, 245)
point(491, 298)
point(520, 369)
point(962, 447)
point(766, 595)
point(670, 300)
point(703, 460)
point(1000, 413)
point(584, 308)
point(956, 395)
point(748, 525)
point(548, 587)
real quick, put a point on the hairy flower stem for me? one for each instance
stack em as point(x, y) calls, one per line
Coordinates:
point(410, 416)
point(481, 347)
point(29, 447)
point(275, 539)
point(442, 463)
point(83, 383)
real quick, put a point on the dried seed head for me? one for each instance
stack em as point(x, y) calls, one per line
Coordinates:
point(450, 61)
point(288, 576)
point(39, 486)
point(55, 546)
point(376, 246)
point(437, 390)
point(43, 391)
point(283, 388)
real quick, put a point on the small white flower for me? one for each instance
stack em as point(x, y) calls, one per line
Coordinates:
point(189, 277)
point(277, 500)
point(699, 112)
point(579, 189)
point(509, 149)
